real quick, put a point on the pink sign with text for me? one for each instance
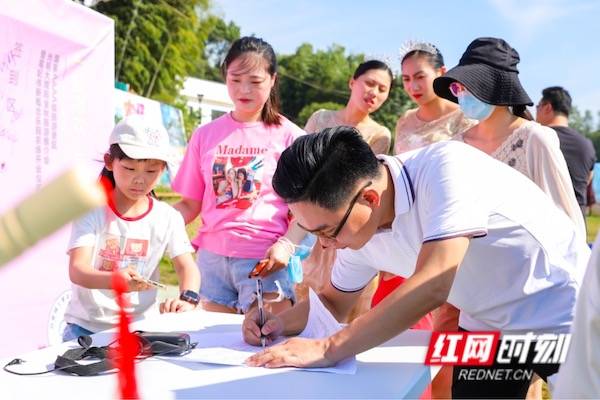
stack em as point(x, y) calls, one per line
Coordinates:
point(56, 110)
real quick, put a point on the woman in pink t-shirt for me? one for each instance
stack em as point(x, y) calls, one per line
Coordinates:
point(226, 177)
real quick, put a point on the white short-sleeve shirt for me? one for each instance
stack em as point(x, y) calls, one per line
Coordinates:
point(579, 375)
point(119, 243)
point(524, 263)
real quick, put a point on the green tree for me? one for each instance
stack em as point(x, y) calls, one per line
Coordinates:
point(314, 77)
point(218, 37)
point(157, 44)
point(581, 123)
point(310, 80)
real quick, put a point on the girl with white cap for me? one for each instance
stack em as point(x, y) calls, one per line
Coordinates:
point(128, 236)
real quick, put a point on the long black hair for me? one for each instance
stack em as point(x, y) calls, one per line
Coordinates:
point(373, 64)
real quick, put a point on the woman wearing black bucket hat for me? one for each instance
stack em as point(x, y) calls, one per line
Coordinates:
point(486, 85)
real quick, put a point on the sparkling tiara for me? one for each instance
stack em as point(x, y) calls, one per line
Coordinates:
point(416, 45)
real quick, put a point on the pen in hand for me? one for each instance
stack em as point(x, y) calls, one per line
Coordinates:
point(261, 311)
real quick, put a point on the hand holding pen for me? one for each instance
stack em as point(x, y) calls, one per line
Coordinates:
point(260, 326)
point(261, 310)
point(270, 331)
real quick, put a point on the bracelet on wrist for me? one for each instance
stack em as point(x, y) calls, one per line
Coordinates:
point(288, 244)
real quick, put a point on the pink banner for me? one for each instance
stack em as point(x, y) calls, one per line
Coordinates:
point(56, 109)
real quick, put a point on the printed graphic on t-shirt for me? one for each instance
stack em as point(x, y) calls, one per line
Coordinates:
point(237, 175)
point(109, 255)
point(116, 252)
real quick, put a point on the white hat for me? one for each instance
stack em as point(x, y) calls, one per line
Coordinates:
point(140, 140)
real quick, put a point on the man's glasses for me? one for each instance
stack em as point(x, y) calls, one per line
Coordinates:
point(456, 88)
point(346, 215)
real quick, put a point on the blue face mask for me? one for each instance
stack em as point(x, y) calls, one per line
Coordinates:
point(474, 108)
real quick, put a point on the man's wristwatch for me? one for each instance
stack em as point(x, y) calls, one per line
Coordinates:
point(190, 296)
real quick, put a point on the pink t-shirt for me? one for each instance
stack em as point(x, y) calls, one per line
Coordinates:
point(229, 166)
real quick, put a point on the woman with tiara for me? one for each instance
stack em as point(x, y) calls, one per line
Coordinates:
point(434, 119)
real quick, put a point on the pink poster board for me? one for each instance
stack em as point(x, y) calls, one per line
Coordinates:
point(56, 109)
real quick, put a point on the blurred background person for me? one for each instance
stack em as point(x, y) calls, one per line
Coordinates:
point(553, 110)
point(370, 87)
point(486, 85)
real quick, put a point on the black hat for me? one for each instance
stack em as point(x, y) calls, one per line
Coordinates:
point(488, 69)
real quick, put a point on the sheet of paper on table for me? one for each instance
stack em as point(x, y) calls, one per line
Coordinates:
point(229, 348)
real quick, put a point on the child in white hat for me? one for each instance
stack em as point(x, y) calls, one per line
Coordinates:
point(129, 235)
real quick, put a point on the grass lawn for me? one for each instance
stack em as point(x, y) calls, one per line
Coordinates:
point(167, 272)
point(593, 224)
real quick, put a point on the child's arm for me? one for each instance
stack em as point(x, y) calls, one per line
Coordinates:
point(189, 279)
point(83, 274)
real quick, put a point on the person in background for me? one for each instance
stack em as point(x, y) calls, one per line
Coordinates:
point(553, 110)
point(253, 226)
point(370, 86)
point(486, 85)
point(130, 236)
point(435, 118)
point(591, 197)
point(579, 376)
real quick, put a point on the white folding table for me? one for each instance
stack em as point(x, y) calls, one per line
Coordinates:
point(392, 370)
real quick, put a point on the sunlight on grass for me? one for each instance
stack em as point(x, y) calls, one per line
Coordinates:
point(593, 224)
point(167, 272)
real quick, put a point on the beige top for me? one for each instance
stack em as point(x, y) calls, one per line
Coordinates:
point(412, 132)
point(317, 267)
point(534, 150)
point(376, 135)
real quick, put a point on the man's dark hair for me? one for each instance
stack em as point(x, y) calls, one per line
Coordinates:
point(325, 168)
point(559, 99)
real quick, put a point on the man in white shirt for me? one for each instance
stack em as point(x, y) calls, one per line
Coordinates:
point(579, 375)
point(461, 226)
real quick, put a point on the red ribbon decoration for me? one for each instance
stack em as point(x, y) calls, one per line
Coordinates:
point(127, 344)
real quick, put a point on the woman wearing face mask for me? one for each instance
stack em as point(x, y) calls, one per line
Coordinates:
point(435, 119)
point(486, 86)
